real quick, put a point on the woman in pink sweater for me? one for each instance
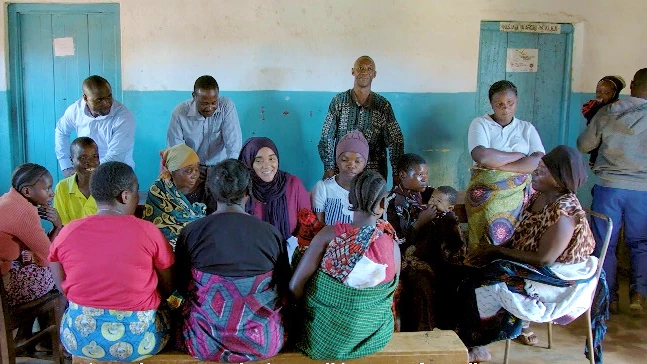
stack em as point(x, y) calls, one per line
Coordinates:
point(24, 245)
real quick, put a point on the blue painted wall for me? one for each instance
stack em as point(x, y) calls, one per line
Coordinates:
point(5, 144)
point(434, 125)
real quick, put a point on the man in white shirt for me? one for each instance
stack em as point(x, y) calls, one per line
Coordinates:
point(96, 115)
point(208, 124)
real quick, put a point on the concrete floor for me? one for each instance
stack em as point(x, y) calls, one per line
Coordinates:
point(625, 342)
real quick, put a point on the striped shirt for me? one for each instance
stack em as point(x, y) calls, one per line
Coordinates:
point(375, 120)
point(331, 199)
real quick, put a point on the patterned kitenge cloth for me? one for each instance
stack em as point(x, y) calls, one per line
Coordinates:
point(494, 202)
point(232, 319)
point(375, 120)
point(496, 298)
point(27, 282)
point(345, 251)
point(169, 209)
point(340, 322)
point(111, 335)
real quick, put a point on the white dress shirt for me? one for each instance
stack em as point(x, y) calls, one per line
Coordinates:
point(114, 133)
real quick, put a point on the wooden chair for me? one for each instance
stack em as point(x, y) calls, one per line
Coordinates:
point(13, 317)
point(603, 253)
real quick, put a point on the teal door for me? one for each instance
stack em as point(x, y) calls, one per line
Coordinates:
point(53, 48)
point(543, 94)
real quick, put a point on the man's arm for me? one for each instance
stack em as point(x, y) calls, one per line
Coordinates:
point(64, 128)
point(591, 137)
point(122, 142)
point(231, 134)
point(328, 142)
point(174, 135)
point(393, 137)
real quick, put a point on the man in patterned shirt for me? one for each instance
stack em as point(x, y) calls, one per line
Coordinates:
point(361, 109)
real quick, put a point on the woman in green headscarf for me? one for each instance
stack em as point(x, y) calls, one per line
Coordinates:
point(175, 199)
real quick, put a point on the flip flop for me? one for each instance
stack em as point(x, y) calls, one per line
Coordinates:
point(528, 338)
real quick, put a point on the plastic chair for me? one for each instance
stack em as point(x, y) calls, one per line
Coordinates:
point(603, 254)
point(13, 317)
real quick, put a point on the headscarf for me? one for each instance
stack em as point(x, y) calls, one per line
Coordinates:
point(353, 142)
point(271, 194)
point(567, 166)
point(177, 157)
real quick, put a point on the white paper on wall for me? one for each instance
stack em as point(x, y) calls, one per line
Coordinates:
point(522, 60)
point(63, 47)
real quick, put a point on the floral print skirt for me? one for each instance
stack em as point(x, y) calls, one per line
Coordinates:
point(111, 335)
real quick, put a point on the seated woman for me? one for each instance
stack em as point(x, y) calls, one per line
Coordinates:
point(175, 199)
point(347, 277)
point(233, 271)
point(544, 273)
point(24, 245)
point(114, 270)
point(277, 196)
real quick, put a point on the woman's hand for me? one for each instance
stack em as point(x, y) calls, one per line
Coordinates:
point(425, 217)
point(482, 255)
point(50, 214)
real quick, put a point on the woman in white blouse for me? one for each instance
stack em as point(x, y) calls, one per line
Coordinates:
point(505, 150)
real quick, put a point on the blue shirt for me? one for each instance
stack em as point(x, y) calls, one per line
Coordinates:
point(214, 139)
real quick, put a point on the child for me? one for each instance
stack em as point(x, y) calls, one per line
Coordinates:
point(606, 92)
point(436, 248)
point(444, 230)
point(347, 277)
point(72, 199)
point(330, 196)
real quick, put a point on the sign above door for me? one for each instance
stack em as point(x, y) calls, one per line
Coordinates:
point(524, 27)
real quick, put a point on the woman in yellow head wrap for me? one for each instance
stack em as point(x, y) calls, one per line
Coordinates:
point(175, 199)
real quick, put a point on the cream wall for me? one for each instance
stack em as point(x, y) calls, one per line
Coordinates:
point(419, 46)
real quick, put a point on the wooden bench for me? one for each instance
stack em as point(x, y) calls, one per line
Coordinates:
point(438, 347)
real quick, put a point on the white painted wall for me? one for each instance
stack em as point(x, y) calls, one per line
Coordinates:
point(419, 46)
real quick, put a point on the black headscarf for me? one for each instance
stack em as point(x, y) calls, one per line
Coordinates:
point(567, 166)
point(272, 193)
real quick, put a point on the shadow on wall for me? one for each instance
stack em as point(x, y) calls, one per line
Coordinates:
point(435, 126)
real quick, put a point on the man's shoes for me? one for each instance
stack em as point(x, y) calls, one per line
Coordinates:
point(636, 304)
point(614, 308)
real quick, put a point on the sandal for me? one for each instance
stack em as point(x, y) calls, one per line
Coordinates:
point(528, 338)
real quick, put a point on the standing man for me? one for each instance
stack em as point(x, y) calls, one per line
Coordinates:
point(620, 131)
point(96, 115)
point(361, 109)
point(208, 124)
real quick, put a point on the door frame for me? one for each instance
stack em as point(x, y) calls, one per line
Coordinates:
point(17, 136)
point(568, 30)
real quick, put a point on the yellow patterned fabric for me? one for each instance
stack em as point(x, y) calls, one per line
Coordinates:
point(494, 202)
point(169, 209)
